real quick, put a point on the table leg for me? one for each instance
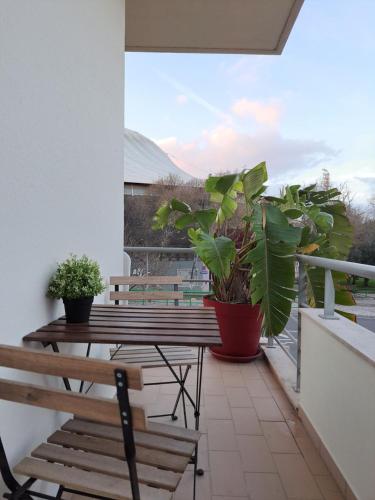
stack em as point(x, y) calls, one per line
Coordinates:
point(65, 380)
point(180, 382)
point(87, 356)
point(198, 393)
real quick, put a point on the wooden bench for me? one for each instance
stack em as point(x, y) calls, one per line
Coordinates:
point(107, 449)
point(148, 356)
point(145, 294)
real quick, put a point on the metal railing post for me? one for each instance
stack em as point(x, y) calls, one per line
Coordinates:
point(329, 296)
point(270, 342)
point(301, 303)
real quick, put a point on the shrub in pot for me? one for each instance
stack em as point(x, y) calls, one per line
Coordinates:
point(248, 241)
point(77, 281)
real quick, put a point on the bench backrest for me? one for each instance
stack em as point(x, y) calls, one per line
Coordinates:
point(76, 367)
point(145, 294)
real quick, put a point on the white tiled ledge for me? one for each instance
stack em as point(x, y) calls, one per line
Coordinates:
point(357, 338)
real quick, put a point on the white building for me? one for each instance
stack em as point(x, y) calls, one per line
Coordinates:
point(146, 163)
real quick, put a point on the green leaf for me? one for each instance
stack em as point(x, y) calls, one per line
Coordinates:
point(273, 264)
point(293, 213)
point(205, 218)
point(227, 209)
point(324, 221)
point(180, 206)
point(226, 183)
point(217, 254)
point(253, 181)
point(210, 184)
point(184, 221)
point(162, 216)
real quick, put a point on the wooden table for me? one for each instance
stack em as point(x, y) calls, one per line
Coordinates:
point(140, 325)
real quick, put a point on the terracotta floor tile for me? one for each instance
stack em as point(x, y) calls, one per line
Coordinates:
point(185, 488)
point(246, 421)
point(238, 397)
point(229, 367)
point(264, 486)
point(203, 462)
point(258, 389)
point(279, 438)
point(270, 379)
point(213, 387)
point(296, 478)
point(215, 497)
point(311, 456)
point(233, 379)
point(329, 488)
point(217, 407)
point(250, 371)
point(227, 478)
point(255, 454)
point(267, 409)
point(221, 436)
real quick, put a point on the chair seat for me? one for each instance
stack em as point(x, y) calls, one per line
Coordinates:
point(89, 457)
point(149, 357)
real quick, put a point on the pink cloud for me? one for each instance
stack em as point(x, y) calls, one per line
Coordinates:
point(263, 113)
point(223, 148)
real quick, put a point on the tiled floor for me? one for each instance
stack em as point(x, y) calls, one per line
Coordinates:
point(253, 446)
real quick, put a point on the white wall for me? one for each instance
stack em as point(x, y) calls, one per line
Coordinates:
point(61, 162)
point(338, 395)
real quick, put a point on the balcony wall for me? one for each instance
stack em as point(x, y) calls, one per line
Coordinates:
point(338, 397)
point(61, 160)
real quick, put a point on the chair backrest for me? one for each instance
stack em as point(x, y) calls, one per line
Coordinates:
point(145, 294)
point(76, 367)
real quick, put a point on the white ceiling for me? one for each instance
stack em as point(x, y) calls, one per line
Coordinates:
point(211, 26)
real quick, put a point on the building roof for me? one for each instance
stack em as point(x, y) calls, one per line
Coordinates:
point(145, 162)
point(211, 26)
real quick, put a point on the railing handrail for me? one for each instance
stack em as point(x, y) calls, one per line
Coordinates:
point(361, 270)
point(159, 249)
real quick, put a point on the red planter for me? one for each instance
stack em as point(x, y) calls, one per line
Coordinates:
point(240, 328)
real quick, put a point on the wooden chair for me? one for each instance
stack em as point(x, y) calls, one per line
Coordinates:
point(107, 449)
point(148, 356)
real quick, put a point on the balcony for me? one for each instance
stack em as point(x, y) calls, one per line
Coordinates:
point(254, 446)
point(290, 420)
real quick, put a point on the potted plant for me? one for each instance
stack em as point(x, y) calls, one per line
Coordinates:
point(76, 281)
point(248, 241)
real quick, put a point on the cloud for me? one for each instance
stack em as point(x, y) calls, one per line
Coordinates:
point(263, 113)
point(223, 148)
point(181, 99)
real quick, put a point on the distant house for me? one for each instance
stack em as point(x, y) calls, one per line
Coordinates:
point(145, 164)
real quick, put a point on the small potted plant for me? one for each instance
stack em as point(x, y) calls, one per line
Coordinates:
point(76, 281)
point(249, 240)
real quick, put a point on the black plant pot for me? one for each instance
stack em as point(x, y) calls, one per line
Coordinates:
point(78, 310)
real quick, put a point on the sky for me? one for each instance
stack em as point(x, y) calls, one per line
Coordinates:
point(311, 108)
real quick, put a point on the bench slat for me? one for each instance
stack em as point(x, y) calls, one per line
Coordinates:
point(106, 465)
point(88, 482)
point(146, 295)
point(145, 280)
point(93, 408)
point(169, 461)
point(145, 439)
point(61, 365)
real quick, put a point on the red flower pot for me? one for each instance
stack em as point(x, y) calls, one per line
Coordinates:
point(240, 329)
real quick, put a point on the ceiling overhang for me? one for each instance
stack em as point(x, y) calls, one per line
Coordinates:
point(210, 26)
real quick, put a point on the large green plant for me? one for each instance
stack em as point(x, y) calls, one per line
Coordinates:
point(76, 278)
point(249, 240)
